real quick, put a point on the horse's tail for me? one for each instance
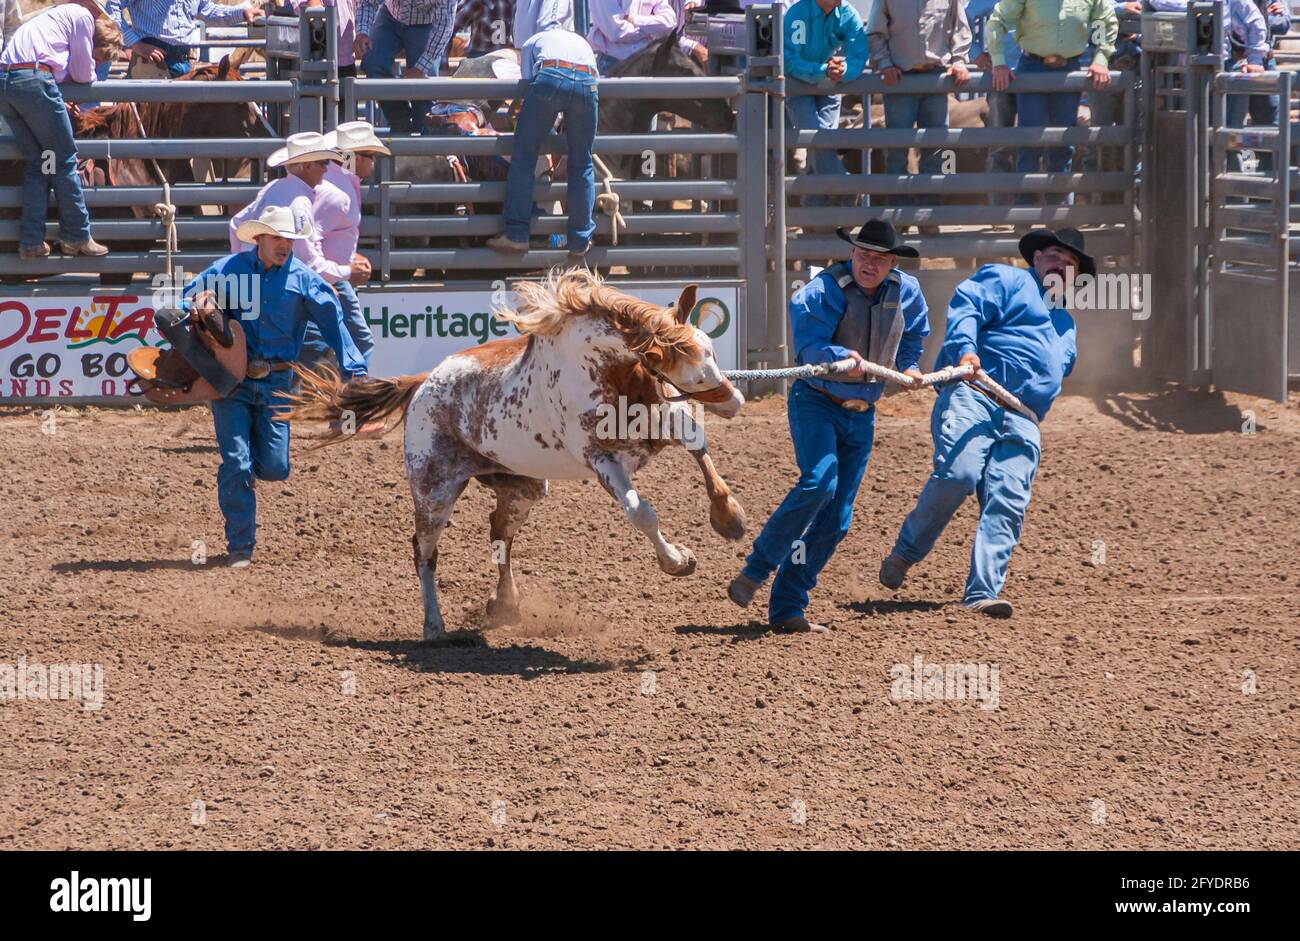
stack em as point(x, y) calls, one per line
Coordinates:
point(323, 396)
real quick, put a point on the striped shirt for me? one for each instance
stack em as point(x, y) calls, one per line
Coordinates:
point(62, 38)
point(488, 23)
point(172, 21)
point(412, 13)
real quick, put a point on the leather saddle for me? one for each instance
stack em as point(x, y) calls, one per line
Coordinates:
point(207, 360)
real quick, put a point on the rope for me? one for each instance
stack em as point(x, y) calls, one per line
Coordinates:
point(986, 383)
point(608, 201)
point(165, 210)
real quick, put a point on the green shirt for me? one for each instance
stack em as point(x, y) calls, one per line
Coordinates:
point(1054, 27)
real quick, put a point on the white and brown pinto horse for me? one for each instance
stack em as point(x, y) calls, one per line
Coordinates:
point(516, 412)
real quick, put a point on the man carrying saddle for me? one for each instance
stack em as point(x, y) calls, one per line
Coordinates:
point(865, 306)
point(262, 299)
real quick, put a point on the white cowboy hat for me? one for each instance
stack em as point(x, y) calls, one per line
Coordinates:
point(303, 148)
point(93, 6)
point(355, 135)
point(274, 220)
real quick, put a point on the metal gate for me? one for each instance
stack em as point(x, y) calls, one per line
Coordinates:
point(1247, 268)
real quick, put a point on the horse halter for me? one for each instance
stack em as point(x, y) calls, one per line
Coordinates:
point(712, 396)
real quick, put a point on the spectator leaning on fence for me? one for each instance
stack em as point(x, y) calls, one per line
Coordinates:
point(304, 158)
point(61, 44)
point(622, 28)
point(560, 67)
point(1263, 109)
point(917, 36)
point(1054, 36)
point(825, 41)
point(421, 30)
point(336, 210)
point(254, 445)
point(159, 32)
point(1104, 106)
point(1001, 104)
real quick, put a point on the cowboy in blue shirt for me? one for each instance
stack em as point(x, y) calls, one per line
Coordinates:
point(825, 41)
point(864, 309)
point(274, 296)
point(1005, 321)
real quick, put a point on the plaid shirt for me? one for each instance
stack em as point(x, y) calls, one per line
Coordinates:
point(480, 18)
point(172, 21)
point(412, 13)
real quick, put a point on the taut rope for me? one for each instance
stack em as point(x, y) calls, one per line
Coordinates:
point(883, 373)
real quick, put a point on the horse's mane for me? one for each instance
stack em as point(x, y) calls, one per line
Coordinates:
point(547, 305)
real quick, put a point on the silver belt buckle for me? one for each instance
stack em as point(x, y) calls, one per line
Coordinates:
point(258, 369)
point(856, 405)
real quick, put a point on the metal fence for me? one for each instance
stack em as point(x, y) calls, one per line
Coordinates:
point(735, 213)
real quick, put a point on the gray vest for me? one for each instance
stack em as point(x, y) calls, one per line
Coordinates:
point(873, 330)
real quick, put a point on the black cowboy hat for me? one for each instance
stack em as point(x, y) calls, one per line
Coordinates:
point(1069, 239)
point(878, 235)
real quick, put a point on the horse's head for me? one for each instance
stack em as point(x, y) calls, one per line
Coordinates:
point(636, 333)
point(689, 362)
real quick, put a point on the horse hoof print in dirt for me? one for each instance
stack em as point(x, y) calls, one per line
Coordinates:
point(582, 392)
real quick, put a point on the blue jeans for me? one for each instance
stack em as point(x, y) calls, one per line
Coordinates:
point(908, 111)
point(984, 449)
point(817, 113)
point(1040, 109)
point(1263, 110)
point(553, 92)
point(314, 347)
point(31, 103)
point(176, 59)
point(831, 447)
point(1002, 113)
point(252, 445)
point(389, 38)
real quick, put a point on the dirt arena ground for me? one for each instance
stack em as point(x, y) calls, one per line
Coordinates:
point(631, 709)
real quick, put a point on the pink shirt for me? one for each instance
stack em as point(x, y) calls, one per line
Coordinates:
point(621, 28)
point(346, 15)
point(293, 192)
point(338, 213)
point(62, 37)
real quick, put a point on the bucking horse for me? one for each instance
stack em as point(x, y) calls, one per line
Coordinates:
point(518, 411)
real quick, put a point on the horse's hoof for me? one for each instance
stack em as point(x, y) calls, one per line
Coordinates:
point(503, 611)
point(687, 566)
point(730, 522)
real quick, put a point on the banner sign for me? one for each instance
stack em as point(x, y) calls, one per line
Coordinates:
point(75, 347)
